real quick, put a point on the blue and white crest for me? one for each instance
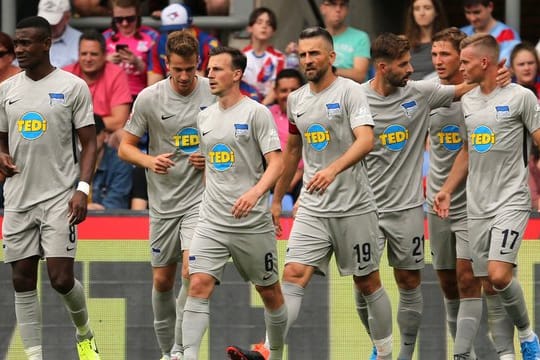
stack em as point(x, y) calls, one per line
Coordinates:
point(241, 129)
point(56, 98)
point(502, 111)
point(333, 109)
point(409, 107)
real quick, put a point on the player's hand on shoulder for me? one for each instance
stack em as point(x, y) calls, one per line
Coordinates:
point(161, 163)
point(7, 167)
point(197, 160)
point(441, 204)
point(504, 75)
point(77, 208)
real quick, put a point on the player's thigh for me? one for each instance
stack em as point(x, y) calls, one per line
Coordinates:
point(309, 242)
point(165, 245)
point(58, 236)
point(507, 234)
point(187, 227)
point(442, 242)
point(21, 236)
point(479, 241)
point(354, 239)
point(461, 232)
point(209, 251)
point(404, 231)
point(255, 257)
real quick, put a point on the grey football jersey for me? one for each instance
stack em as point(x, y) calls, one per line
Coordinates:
point(446, 134)
point(234, 142)
point(40, 118)
point(401, 120)
point(325, 121)
point(171, 122)
point(497, 126)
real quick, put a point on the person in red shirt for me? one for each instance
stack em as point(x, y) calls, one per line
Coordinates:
point(108, 82)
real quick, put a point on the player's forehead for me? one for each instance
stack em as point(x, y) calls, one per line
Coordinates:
point(444, 46)
point(222, 60)
point(313, 44)
point(30, 33)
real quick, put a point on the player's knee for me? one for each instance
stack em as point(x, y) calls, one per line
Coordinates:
point(407, 279)
point(271, 295)
point(499, 279)
point(201, 285)
point(62, 283)
point(368, 284)
point(296, 274)
point(23, 283)
point(163, 283)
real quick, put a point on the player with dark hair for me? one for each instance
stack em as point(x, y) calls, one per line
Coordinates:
point(243, 162)
point(44, 113)
point(332, 128)
point(401, 112)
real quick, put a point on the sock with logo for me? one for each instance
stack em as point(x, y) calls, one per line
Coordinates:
point(500, 325)
point(180, 303)
point(293, 295)
point(468, 321)
point(194, 325)
point(28, 314)
point(452, 308)
point(409, 317)
point(163, 304)
point(276, 323)
point(362, 309)
point(75, 302)
point(380, 322)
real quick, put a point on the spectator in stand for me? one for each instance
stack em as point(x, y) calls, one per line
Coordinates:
point(7, 70)
point(264, 62)
point(424, 19)
point(111, 184)
point(108, 83)
point(65, 39)
point(534, 178)
point(525, 66)
point(479, 15)
point(128, 44)
point(287, 81)
point(178, 17)
point(91, 7)
point(352, 45)
point(7, 56)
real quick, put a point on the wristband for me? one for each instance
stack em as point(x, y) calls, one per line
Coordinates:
point(83, 187)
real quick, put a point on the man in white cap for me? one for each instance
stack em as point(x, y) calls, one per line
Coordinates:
point(65, 39)
point(178, 17)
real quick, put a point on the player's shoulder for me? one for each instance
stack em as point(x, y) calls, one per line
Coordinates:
point(300, 92)
point(152, 91)
point(72, 79)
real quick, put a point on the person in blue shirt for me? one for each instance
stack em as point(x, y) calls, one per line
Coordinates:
point(111, 186)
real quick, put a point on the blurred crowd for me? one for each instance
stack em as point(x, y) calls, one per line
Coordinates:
point(129, 56)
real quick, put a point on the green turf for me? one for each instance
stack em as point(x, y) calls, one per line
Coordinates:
point(347, 335)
